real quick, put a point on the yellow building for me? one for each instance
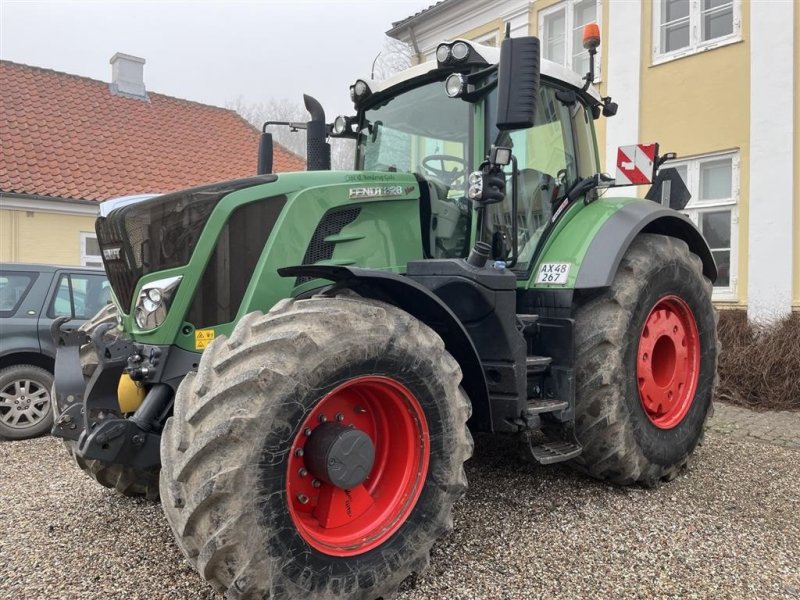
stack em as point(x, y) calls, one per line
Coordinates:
point(68, 143)
point(715, 81)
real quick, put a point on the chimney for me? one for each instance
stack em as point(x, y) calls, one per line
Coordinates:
point(127, 76)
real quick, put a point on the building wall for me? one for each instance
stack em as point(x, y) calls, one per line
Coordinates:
point(602, 85)
point(707, 98)
point(42, 237)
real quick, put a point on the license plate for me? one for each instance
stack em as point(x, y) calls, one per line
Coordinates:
point(553, 273)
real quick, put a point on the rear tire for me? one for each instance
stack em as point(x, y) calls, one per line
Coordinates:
point(643, 389)
point(230, 482)
point(124, 479)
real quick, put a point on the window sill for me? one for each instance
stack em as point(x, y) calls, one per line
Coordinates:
point(660, 59)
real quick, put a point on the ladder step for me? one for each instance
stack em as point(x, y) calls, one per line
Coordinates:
point(537, 364)
point(555, 452)
point(536, 407)
point(528, 322)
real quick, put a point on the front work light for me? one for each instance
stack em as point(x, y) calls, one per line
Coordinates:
point(459, 51)
point(443, 53)
point(340, 125)
point(153, 302)
point(455, 85)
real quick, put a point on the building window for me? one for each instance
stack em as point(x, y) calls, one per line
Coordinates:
point(714, 184)
point(561, 33)
point(682, 27)
point(90, 250)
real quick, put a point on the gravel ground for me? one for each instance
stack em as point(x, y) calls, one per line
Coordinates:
point(727, 528)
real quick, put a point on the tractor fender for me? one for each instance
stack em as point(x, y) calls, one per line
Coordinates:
point(615, 236)
point(418, 301)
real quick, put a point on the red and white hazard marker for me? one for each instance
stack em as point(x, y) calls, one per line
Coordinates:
point(635, 164)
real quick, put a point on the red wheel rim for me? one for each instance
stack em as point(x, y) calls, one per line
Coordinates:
point(668, 362)
point(349, 522)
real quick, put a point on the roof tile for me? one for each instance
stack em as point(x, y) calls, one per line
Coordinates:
point(67, 136)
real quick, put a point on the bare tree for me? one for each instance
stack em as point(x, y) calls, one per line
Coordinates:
point(395, 56)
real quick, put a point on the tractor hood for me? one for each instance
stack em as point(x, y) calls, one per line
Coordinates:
point(163, 233)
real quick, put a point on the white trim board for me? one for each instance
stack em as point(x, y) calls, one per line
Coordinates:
point(769, 268)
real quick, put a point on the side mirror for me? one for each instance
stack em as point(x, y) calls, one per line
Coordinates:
point(518, 82)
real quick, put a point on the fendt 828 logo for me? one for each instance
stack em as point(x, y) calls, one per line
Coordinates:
point(386, 191)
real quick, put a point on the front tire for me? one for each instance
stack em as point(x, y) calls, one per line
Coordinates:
point(253, 512)
point(646, 356)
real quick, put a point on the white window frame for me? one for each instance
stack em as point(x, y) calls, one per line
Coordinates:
point(569, 24)
point(486, 37)
point(697, 206)
point(696, 43)
point(86, 258)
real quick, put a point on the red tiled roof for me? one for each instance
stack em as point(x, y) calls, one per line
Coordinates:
point(67, 136)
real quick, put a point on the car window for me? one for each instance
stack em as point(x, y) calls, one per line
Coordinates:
point(80, 296)
point(13, 288)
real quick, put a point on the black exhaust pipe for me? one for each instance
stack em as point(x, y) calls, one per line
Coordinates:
point(318, 150)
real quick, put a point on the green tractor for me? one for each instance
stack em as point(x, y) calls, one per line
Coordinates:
point(296, 363)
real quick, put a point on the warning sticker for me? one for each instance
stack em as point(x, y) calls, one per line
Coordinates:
point(202, 338)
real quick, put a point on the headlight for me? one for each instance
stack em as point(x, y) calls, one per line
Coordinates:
point(153, 302)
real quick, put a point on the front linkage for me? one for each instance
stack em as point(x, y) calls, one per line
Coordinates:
point(88, 408)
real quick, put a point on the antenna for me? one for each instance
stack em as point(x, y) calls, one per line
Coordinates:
point(508, 30)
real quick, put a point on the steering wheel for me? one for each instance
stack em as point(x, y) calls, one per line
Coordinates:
point(441, 172)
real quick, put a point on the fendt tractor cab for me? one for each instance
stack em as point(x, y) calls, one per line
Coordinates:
point(295, 363)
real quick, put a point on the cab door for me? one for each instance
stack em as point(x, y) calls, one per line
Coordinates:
point(551, 156)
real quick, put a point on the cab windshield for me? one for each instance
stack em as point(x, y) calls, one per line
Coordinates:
point(424, 132)
point(410, 132)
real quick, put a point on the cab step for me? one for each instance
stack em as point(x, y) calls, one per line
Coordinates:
point(537, 406)
point(555, 452)
point(537, 364)
point(528, 323)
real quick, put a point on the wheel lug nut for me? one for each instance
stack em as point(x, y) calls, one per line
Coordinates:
point(307, 431)
point(302, 472)
point(316, 483)
point(298, 453)
point(339, 417)
point(323, 418)
point(302, 499)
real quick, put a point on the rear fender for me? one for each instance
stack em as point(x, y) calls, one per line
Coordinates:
point(606, 250)
point(593, 238)
point(418, 301)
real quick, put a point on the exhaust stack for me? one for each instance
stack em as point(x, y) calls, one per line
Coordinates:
point(318, 150)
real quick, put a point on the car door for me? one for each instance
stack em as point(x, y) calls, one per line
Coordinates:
point(78, 296)
point(21, 297)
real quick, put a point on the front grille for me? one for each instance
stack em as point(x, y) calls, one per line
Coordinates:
point(332, 223)
point(158, 233)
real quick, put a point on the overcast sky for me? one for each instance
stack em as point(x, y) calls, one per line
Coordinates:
point(211, 52)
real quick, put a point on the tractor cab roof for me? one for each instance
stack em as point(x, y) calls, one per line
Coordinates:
point(491, 55)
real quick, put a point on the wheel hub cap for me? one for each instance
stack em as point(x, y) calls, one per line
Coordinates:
point(339, 455)
point(668, 362)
